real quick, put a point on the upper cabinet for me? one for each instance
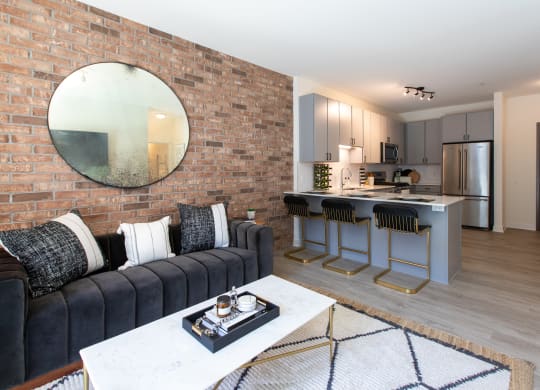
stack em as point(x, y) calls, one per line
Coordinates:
point(345, 124)
point(423, 139)
point(415, 134)
point(470, 126)
point(351, 125)
point(319, 128)
point(372, 137)
point(433, 142)
point(394, 135)
point(325, 124)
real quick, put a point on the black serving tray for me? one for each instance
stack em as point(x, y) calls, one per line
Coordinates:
point(216, 342)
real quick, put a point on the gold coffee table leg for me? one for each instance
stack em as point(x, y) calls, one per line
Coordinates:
point(85, 378)
point(330, 343)
point(331, 330)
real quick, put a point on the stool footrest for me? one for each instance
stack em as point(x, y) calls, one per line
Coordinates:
point(292, 254)
point(407, 290)
point(328, 265)
point(408, 262)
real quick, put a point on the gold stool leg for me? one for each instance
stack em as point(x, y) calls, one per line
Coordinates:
point(328, 263)
point(291, 254)
point(394, 286)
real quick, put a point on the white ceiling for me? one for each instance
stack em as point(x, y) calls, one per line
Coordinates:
point(464, 50)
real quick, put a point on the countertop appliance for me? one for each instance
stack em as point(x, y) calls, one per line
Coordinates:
point(389, 153)
point(467, 171)
point(380, 180)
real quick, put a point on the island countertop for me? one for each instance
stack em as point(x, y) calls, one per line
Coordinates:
point(360, 194)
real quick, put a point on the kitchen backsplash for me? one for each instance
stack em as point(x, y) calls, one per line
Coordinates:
point(429, 174)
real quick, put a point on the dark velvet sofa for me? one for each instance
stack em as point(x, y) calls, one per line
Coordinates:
point(45, 333)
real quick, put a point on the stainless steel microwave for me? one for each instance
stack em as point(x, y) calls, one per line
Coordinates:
point(389, 153)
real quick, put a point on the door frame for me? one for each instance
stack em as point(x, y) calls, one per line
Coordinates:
point(538, 176)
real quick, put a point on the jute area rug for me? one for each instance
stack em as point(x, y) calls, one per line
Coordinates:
point(373, 350)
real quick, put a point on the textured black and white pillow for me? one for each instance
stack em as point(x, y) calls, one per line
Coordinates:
point(203, 228)
point(54, 253)
point(146, 241)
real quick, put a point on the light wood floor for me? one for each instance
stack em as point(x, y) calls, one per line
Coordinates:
point(494, 301)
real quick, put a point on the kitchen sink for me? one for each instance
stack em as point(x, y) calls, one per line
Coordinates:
point(359, 196)
point(425, 200)
point(316, 192)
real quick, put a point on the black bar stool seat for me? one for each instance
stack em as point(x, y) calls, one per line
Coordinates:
point(342, 211)
point(401, 219)
point(298, 206)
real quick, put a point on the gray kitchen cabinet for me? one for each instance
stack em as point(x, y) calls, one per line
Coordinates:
point(372, 142)
point(454, 128)
point(423, 140)
point(470, 126)
point(357, 128)
point(415, 134)
point(480, 125)
point(319, 128)
point(345, 124)
point(433, 142)
point(395, 135)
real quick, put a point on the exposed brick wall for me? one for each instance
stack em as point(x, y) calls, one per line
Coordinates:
point(240, 117)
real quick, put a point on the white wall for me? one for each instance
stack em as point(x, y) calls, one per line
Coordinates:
point(521, 115)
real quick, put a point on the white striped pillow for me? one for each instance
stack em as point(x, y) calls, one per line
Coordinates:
point(93, 254)
point(146, 241)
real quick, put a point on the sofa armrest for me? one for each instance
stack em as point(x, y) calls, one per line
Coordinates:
point(14, 295)
point(259, 238)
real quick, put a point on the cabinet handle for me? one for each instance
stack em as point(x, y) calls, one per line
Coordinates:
point(330, 156)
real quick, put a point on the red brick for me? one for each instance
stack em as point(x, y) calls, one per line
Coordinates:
point(261, 97)
point(31, 196)
point(54, 204)
point(31, 178)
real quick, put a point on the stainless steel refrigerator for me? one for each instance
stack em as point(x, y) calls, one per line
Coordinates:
point(466, 171)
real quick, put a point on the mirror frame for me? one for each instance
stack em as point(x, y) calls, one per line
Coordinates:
point(100, 179)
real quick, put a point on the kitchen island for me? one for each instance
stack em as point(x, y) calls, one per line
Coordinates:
point(443, 213)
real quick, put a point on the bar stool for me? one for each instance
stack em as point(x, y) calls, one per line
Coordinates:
point(341, 211)
point(298, 206)
point(401, 219)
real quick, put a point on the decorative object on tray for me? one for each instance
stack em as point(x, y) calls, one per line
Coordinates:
point(233, 316)
point(321, 176)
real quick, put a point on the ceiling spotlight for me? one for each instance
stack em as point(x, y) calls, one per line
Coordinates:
point(420, 92)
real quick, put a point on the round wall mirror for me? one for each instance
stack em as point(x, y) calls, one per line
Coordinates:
point(118, 124)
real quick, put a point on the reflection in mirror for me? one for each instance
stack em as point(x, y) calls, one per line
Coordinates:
point(118, 125)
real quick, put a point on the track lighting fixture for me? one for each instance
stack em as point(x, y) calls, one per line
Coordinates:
point(421, 92)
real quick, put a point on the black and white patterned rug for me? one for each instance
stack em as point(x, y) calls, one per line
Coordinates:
point(370, 353)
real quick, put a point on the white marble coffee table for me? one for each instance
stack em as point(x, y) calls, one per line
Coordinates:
point(162, 355)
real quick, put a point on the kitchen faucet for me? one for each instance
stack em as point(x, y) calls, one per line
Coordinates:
point(343, 178)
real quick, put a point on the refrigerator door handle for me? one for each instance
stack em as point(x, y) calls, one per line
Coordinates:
point(459, 179)
point(465, 170)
